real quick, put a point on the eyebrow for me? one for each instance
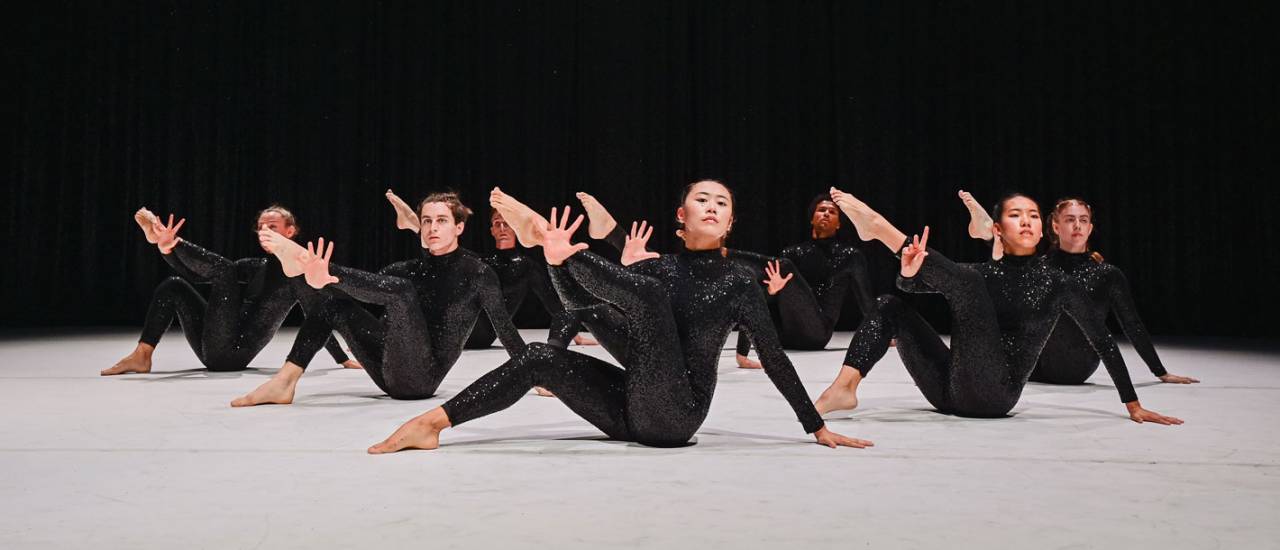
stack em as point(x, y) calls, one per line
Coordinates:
point(709, 194)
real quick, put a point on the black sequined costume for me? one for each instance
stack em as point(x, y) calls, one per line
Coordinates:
point(519, 275)
point(429, 306)
point(1002, 313)
point(678, 311)
point(809, 306)
point(248, 301)
point(1067, 357)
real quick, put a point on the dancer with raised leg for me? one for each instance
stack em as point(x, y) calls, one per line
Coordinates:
point(810, 281)
point(1067, 358)
point(429, 306)
point(519, 276)
point(1002, 313)
point(248, 300)
point(679, 309)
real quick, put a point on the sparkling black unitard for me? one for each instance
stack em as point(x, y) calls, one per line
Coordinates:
point(429, 306)
point(809, 306)
point(1067, 357)
point(248, 301)
point(678, 311)
point(519, 275)
point(1002, 313)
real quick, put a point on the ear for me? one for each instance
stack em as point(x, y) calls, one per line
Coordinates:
point(459, 228)
point(680, 214)
point(290, 231)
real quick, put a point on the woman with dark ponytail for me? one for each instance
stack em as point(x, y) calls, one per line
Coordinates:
point(1067, 358)
point(1002, 314)
point(678, 310)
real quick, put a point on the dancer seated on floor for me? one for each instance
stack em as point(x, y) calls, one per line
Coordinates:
point(809, 283)
point(248, 299)
point(429, 306)
point(679, 309)
point(517, 273)
point(1002, 313)
point(1067, 358)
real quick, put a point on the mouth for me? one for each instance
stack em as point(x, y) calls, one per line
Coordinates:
point(711, 219)
point(1025, 232)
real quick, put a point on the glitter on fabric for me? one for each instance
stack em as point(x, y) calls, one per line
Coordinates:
point(248, 301)
point(675, 312)
point(1067, 357)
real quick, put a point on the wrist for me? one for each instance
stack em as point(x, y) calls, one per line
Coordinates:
point(1133, 406)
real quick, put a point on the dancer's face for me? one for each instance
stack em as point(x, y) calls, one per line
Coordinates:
point(274, 221)
point(707, 214)
point(826, 220)
point(1073, 224)
point(503, 236)
point(1020, 226)
point(439, 231)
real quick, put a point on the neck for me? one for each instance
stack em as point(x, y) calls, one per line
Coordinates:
point(697, 243)
point(819, 235)
point(505, 245)
point(1074, 249)
point(441, 252)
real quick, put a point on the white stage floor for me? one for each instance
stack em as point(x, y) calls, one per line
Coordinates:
point(161, 461)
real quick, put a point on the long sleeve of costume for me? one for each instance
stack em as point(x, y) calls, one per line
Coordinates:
point(1095, 330)
point(754, 317)
point(1125, 310)
point(380, 288)
point(195, 262)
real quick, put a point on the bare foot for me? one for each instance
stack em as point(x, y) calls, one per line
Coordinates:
point(745, 362)
point(276, 391)
point(585, 340)
point(137, 362)
point(284, 249)
point(842, 395)
point(352, 364)
point(868, 223)
point(147, 221)
point(527, 224)
point(406, 218)
point(423, 432)
point(543, 392)
point(599, 221)
point(979, 220)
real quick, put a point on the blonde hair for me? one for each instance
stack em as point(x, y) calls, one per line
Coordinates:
point(1061, 205)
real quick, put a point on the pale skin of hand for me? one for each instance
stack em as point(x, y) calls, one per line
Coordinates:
point(556, 247)
point(633, 249)
point(167, 234)
point(315, 265)
point(914, 254)
point(774, 281)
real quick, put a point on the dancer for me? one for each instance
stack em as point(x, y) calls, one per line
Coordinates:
point(810, 281)
point(249, 300)
point(518, 275)
point(1067, 358)
point(1002, 313)
point(429, 303)
point(679, 309)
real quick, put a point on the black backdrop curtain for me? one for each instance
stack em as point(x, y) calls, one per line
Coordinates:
point(1161, 113)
